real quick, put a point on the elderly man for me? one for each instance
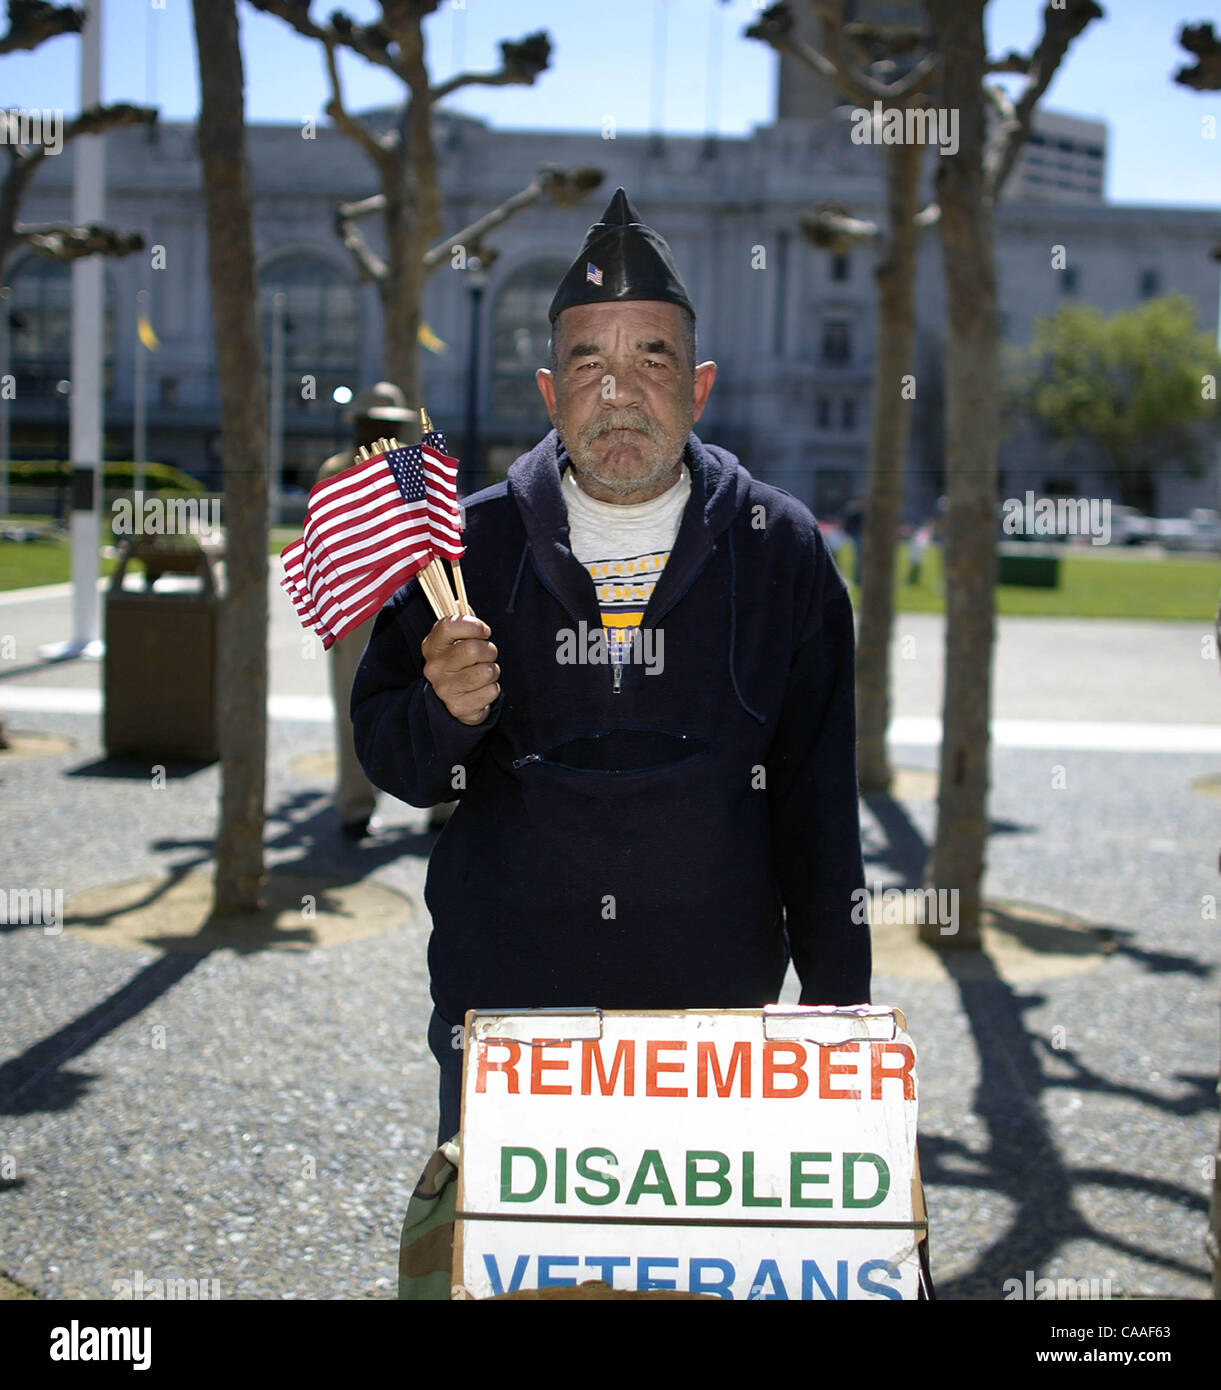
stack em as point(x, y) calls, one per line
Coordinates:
point(649, 726)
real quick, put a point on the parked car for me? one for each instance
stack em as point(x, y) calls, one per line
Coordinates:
point(1199, 531)
point(1130, 527)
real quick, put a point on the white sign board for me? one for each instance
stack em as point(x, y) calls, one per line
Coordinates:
point(765, 1154)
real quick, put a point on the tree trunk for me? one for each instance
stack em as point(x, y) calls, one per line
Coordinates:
point(401, 291)
point(239, 360)
point(895, 274)
point(972, 431)
point(413, 224)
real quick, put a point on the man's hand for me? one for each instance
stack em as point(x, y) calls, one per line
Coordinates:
point(460, 665)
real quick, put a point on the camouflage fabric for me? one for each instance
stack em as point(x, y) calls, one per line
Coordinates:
point(427, 1243)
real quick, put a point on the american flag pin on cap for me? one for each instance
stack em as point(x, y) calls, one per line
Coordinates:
point(592, 273)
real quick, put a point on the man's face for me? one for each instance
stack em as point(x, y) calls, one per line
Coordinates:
point(624, 397)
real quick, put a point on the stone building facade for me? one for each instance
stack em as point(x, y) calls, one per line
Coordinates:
point(791, 327)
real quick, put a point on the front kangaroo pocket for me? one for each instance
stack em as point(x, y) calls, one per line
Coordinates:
point(617, 753)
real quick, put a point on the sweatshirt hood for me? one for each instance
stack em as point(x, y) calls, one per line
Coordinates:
point(719, 486)
point(719, 490)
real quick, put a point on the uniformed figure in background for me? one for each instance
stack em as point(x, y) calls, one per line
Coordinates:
point(380, 410)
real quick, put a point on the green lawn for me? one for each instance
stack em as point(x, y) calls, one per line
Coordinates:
point(1125, 583)
point(1116, 584)
point(32, 563)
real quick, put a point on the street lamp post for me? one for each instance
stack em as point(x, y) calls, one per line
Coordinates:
point(139, 428)
point(63, 393)
point(341, 395)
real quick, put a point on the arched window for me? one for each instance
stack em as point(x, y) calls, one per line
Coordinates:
point(40, 319)
point(322, 331)
point(520, 329)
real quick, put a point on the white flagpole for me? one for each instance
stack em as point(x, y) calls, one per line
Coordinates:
point(139, 428)
point(5, 324)
point(88, 307)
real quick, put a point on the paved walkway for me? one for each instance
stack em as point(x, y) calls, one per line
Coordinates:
point(260, 1119)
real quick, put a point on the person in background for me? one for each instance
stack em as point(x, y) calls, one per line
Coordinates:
point(916, 547)
point(379, 410)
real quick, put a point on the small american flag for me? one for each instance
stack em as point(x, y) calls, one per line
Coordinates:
point(444, 515)
point(592, 273)
point(367, 531)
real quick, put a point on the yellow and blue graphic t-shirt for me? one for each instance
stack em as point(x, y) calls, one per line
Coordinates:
point(625, 549)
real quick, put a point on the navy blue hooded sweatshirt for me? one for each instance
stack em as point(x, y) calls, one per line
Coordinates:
point(665, 844)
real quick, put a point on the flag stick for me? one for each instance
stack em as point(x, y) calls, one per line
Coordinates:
point(436, 573)
point(428, 584)
point(432, 577)
point(464, 603)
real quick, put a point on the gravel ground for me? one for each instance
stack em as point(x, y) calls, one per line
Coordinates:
point(259, 1120)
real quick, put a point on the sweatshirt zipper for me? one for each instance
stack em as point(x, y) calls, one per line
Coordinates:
point(542, 758)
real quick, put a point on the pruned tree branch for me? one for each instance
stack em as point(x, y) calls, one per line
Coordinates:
point(1060, 28)
point(363, 207)
point(295, 13)
point(369, 265)
point(63, 242)
point(520, 63)
point(776, 28)
point(1013, 61)
point(564, 188)
point(999, 100)
point(24, 162)
point(93, 121)
point(1201, 40)
point(372, 41)
point(378, 147)
point(832, 227)
point(877, 56)
point(32, 22)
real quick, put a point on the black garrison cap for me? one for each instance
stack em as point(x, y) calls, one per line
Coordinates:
point(619, 259)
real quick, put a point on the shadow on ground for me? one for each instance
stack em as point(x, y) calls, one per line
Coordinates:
point(302, 835)
point(1021, 1160)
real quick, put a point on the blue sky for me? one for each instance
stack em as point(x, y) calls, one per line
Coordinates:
point(603, 65)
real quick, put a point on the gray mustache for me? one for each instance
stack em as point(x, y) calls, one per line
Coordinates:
point(605, 424)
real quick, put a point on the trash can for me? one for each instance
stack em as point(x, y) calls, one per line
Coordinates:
point(160, 695)
point(1035, 566)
